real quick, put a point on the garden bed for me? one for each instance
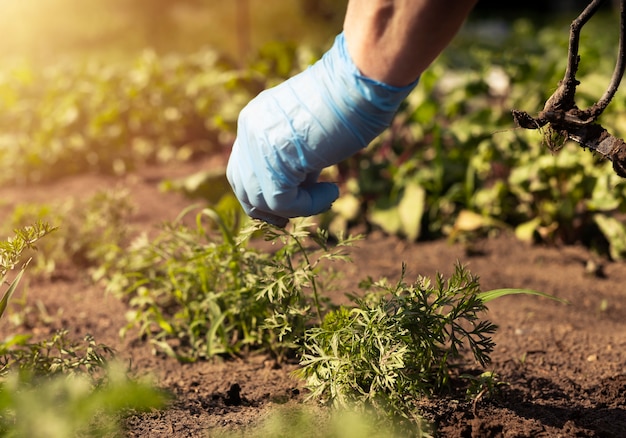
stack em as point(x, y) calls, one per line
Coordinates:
point(562, 365)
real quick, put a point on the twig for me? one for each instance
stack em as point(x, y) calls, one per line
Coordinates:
point(565, 98)
point(595, 110)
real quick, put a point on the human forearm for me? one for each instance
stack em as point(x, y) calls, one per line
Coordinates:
point(394, 41)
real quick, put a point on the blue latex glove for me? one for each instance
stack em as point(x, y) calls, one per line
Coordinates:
point(289, 133)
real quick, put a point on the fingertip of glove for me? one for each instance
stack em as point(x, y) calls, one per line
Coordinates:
point(322, 196)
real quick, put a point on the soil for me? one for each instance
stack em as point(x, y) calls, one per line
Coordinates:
point(563, 364)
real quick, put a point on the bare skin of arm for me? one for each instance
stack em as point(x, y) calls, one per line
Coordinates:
point(394, 41)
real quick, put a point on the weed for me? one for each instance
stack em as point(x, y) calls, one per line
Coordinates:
point(486, 384)
point(57, 355)
point(64, 406)
point(199, 292)
point(399, 343)
point(11, 251)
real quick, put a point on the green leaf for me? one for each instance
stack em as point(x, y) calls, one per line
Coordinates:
point(468, 220)
point(411, 209)
point(491, 295)
point(405, 217)
point(526, 231)
point(615, 232)
point(210, 185)
point(13, 340)
point(388, 219)
point(7, 295)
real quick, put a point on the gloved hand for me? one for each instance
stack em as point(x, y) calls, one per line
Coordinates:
point(289, 133)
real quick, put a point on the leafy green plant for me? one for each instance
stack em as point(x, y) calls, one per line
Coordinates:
point(11, 251)
point(56, 355)
point(485, 385)
point(64, 406)
point(47, 387)
point(198, 292)
point(399, 343)
point(566, 198)
point(46, 357)
point(88, 231)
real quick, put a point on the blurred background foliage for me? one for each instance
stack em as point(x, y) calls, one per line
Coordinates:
point(110, 85)
point(45, 29)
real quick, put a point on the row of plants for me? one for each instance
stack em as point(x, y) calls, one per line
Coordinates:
point(110, 117)
point(452, 153)
point(452, 148)
point(203, 288)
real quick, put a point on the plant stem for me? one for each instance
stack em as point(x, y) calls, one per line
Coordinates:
point(316, 300)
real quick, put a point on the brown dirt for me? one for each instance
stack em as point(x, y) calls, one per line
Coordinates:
point(564, 364)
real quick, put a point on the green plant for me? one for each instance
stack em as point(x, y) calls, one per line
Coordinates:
point(46, 357)
point(11, 251)
point(88, 231)
point(566, 198)
point(486, 384)
point(47, 387)
point(399, 343)
point(198, 292)
point(56, 355)
point(65, 406)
